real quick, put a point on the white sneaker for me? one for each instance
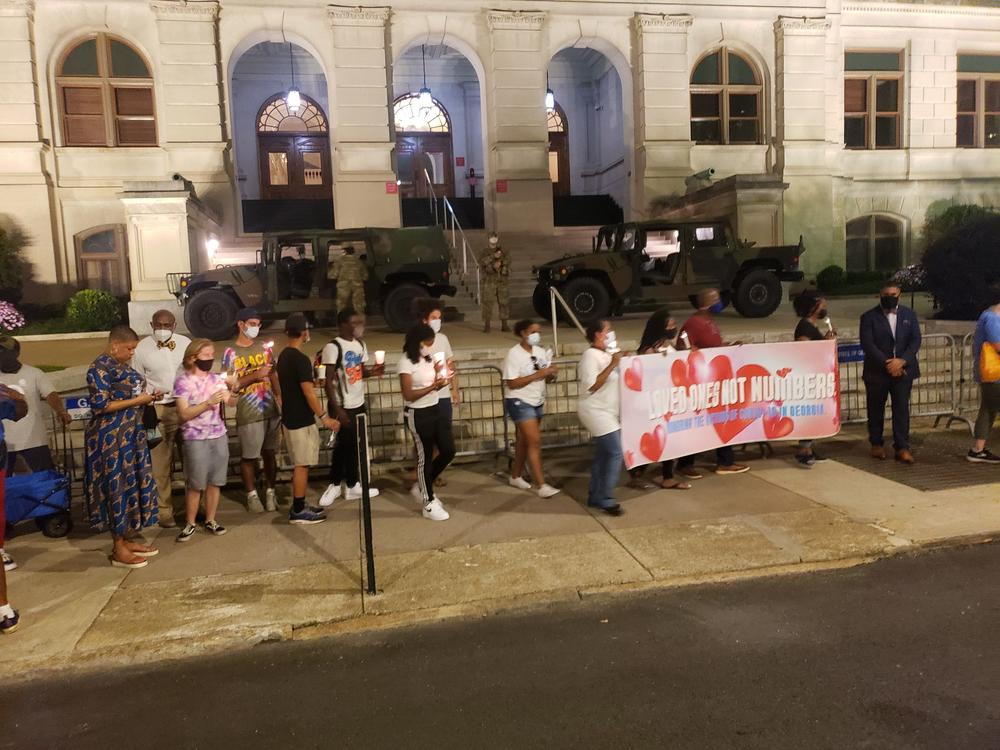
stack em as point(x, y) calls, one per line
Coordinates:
point(270, 500)
point(354, 493)
point(547, 490)
point(434, 511)
point(253, 503)
point(416, 493)
point(331, 493)
point(519, 482)
point(8, 562)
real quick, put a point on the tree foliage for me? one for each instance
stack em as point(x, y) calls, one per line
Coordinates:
point(962, 266)
point(938, 225)
point(14, 269)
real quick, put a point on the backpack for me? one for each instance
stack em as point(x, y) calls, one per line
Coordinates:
point(339, 360)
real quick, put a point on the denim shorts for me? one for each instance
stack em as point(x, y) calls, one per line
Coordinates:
point(519, 411)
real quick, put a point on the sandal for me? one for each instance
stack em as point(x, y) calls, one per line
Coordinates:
point(676, 484)
point(639, 484)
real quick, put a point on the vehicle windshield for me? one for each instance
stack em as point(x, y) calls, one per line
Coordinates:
point(628, 235)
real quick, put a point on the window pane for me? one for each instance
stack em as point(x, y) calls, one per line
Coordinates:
point(82, 61)
point(966, 96)
point(277, 164)
point(404, 166)
point(743, 105)
point(886, 227)
point(704, 105)
point(136, 132)
point(887, 253)
point(887, 96)
point(992, 137)
point(857, 254)
point(979, 63)
point(554, 166)
point(854, 132)
point(855, 95)
point(87, 130)
point(136, 102)
point(991, 96)
point(885, 132)
point(740, 71)
point(312, 167)
point(125, 63)
point(99, 243)
point(706, 131)
point(966, 131)
point(707, 71)
point(871, 61)
point(858, 227)
point(80, 100)
point(743, 131)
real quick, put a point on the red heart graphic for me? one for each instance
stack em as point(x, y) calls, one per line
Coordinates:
point(633, 375)
point(651, 443)
point(667, 416)
point(783, 371)
point(776, 428)
point(721, 368)
point(679, 373)
point(697, 368)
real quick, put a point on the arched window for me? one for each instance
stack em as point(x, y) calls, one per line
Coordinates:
point(725, 99)
point(105, 91)
point(100, 259)
point(874, 243)
point(558, 150)
point(293, 150)
point(556, 120)
point(275, 117)
point(411, 117)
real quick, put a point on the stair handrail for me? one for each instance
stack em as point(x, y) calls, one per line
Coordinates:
point(555, 296)
point(457, 233)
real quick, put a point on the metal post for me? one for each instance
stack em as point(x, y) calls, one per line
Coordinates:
point(555, 327)
point(366, 503)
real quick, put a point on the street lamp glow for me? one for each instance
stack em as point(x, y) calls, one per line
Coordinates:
point(212, 245)
point(294, 101)
point(550, 99)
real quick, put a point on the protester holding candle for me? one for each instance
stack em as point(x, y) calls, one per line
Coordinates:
point(430, 313)
point(811, 308)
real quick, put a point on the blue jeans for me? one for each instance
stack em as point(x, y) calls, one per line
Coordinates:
point(606, 469)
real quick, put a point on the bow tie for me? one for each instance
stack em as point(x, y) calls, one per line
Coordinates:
point(171, 345)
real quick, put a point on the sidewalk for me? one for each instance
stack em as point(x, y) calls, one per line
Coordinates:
point(502, 548)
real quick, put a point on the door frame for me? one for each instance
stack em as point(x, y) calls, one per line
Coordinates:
point(559, 142)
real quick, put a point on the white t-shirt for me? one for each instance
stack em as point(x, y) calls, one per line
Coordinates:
point(422, 375)
point(599, 410)
point(442, 344)
point(160, 365)
point(519, 363)
point(29, 431)
point(351, 372)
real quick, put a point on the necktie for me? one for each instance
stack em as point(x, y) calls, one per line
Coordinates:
point(166, 344)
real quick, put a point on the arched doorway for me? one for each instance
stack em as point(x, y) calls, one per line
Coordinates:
point(558, 150)
point(423, 146)
point(293, 150)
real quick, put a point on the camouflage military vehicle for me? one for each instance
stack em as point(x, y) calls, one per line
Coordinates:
point(291, 275)
point(641, 266)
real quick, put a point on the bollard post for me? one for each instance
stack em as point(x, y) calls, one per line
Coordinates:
point(366, 503)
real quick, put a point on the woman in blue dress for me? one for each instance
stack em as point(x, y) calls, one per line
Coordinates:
point(118, 482)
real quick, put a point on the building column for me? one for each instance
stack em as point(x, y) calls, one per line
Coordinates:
point(364, 182)
point(800, 130)
point(521, 189)
point(190, 81)
point(26, 200)
point(662, 108)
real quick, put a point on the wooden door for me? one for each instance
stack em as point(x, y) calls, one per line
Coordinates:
point(101, 260)
point(294, 166)
point(416, 152)
point(559, 162)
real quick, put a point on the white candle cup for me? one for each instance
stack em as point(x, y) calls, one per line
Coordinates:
point(379, 356)
point(321, 372)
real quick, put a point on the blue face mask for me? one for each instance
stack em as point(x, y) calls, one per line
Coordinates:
point(717, 308)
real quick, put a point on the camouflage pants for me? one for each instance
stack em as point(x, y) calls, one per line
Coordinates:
point(351, 295)
point(494, 294)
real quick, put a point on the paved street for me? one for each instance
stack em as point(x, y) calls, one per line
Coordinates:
point(901, 653)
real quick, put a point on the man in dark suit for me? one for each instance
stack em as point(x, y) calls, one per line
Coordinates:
point(890, 337)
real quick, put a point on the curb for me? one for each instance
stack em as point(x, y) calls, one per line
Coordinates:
point(62, 336)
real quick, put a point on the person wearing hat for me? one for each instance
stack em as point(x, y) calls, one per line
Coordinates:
point(158, 358)
point(27, 439)
point(299, 412)
point(250, 364)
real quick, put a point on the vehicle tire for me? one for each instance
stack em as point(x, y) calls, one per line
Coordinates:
point(398, 306)
point(55, 526)
point(757, 294)
point(540, 301)
point(588, 298)
point(211, 314)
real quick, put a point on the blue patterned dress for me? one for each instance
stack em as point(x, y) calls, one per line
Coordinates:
point(118, 481)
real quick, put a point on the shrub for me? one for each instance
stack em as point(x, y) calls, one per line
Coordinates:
point(831, 278)
point(14, 269)
point(962, 267)
point(939, 225)
point(93, 310)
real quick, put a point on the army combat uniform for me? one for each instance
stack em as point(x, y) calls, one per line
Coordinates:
point(496, 272)
point(350, 273)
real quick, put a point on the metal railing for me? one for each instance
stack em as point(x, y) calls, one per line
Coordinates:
point(457, 238)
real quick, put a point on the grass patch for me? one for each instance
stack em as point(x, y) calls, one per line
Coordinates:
point(52, 325)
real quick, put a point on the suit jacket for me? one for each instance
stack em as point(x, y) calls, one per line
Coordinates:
point(880, 345)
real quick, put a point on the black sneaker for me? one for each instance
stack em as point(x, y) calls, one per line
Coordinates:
point(186, 533)
point(805, 460)
point(214, 527)
point(982, 457)
point(818, 458)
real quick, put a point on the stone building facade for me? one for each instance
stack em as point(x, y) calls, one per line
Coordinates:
point(133, 132)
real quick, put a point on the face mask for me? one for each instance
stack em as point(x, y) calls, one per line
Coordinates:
point(717, 308)
point(888, 302)
point(205, 365)
point(358, 331)
point(162, 335)
point(493, 241)
point(670, 333)
point(534, 339)
point(425, 351)
point(821, 313)
point(8, 362)
point(252, 332)
point(435, 325)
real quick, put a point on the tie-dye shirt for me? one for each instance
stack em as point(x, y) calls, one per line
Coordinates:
point(256, 401)
point(196, 388)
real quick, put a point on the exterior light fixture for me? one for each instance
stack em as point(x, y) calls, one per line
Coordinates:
point(424, 99)
point(292, 99)
point(550, 98)
point(212, 245)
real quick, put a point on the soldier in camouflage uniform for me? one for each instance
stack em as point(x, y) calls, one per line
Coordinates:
point(350, 273)
point(495, 269)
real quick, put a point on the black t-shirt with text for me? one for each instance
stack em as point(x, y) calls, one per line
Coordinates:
point(806, 330)
point(294, 368)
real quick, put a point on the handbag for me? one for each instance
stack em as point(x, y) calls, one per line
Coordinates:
point(151, 423)
point(989, 363)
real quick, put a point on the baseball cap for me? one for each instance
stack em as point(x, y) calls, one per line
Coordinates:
point(296, 322)
point(247, 313)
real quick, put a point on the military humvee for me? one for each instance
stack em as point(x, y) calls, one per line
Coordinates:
point(290, 275)
point(641, 266)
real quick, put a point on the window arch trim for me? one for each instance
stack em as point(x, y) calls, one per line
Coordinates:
point(736, 116)
point(442, 116)
point(315, 116)
point(871, 235)
point(556, 119)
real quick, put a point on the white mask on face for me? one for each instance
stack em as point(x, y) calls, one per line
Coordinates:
point(162, 335)
point(425, 351)
point(252, 332)
point(435, 325)
point(535, 338)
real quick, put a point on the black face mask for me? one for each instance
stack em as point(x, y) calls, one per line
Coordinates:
point(205, 365)
point(888, 302)
point(670, 333)
point(9, 362)
point(821, 313)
